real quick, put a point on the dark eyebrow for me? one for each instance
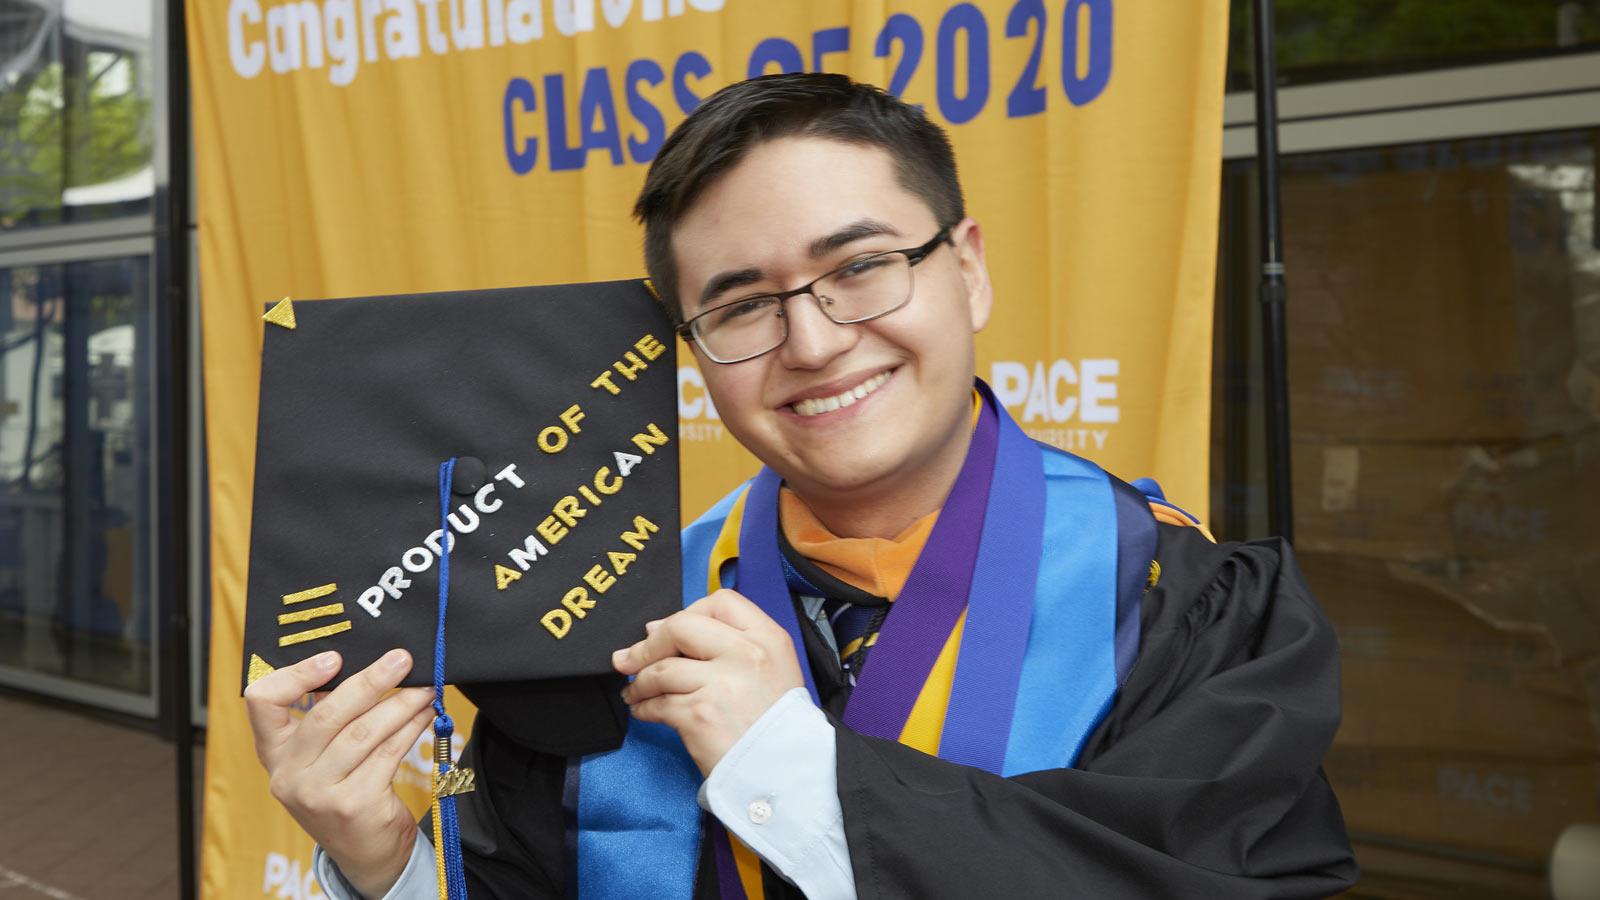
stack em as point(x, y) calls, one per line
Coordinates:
point(855, 231)
point(727, 281)
point(723, 282)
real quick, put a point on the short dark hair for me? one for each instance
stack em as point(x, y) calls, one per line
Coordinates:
point(741, 116)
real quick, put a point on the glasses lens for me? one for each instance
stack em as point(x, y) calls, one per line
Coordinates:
point(740, 330)
point(866, 288)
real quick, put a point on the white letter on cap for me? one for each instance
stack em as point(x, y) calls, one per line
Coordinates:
point(370, 600)
point(481, 499)
point(394, 581)
point(247, 58)
point(530, 551)
point(626, 462)
point(432, 541)
point(509, 473)
point(417, 559)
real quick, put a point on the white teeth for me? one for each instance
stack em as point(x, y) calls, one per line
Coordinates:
point(816, 406)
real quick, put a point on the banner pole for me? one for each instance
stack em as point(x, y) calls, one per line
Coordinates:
point(1273, 293)
point(171, 209)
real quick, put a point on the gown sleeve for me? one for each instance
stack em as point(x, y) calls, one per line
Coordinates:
point(1204, 779)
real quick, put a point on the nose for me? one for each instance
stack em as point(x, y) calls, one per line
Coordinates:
point(814, 339)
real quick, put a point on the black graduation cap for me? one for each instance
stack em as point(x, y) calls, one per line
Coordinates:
point(558, 405)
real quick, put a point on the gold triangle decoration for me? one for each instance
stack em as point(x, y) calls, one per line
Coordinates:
point(259, 669)
point(282, 314)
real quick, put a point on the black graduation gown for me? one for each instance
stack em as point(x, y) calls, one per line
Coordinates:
point(1203, 780)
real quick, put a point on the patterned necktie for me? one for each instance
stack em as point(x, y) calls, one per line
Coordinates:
point(855, 630)
point(854, 622)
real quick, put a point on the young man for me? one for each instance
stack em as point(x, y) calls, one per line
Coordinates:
point(1073, 693)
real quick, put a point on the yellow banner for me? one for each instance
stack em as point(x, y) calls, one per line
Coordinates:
point(357, 147)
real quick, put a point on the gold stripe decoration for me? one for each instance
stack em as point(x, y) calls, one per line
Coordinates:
point(259, 669)
point(316, 593)
point(1155, 575)
point(306, 615)
point(281, 314)
point(311, 634)
point(651, 287)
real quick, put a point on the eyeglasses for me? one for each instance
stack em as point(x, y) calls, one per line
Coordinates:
point(862, 289)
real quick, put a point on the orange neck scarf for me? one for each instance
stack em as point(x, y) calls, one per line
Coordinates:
point(878, 566)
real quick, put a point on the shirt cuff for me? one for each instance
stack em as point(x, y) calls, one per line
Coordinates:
point(418, 881)
point(777, 790)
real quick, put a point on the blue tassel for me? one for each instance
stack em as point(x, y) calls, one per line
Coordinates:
point(455, 877)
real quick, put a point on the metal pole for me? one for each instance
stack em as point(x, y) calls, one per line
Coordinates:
point(1273, 293)
point(173, 299)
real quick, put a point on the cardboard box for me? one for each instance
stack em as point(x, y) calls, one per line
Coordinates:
point(1430, 305)
point(1463, 800)
point(1423, 671)
point(1460, 730)
point(1527, 504)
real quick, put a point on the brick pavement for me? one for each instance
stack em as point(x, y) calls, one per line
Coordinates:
point(87, 807)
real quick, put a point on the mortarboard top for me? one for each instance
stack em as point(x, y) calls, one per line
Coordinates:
point(558, 403)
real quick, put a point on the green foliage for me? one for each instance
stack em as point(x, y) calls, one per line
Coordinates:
point(1319, 40)
point(59, 131)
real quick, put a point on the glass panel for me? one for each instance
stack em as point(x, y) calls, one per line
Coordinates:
point(75, 110)
point(1444, 348)
point(1329, 40)
point(74, 464)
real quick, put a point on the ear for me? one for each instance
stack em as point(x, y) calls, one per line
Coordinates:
point(967, 237)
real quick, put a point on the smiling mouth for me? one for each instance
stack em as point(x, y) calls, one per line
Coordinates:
point(816, 406)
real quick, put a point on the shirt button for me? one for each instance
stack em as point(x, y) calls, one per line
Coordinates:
point(760, 812)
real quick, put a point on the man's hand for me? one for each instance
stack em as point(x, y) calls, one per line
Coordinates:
point(334, 768)
point(710, 672)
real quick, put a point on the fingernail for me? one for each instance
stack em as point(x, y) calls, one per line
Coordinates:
point(652, 627)
point(619, 657)
point(326, 659)
point(397, 659)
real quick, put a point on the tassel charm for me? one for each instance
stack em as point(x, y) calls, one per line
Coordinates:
point(448, 782)
point(453, 782)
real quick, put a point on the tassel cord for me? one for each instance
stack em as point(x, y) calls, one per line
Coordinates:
point(446, 825)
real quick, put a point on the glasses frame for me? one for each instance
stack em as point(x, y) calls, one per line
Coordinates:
point(913, 255)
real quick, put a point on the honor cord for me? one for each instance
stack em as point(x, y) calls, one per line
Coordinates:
point(446, 827)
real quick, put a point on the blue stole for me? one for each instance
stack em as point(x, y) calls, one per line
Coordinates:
point(634, 809)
